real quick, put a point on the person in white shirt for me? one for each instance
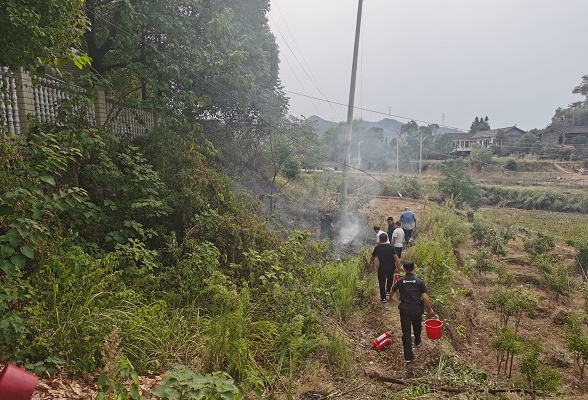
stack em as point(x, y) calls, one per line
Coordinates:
point(378, 232)
point(398, 238)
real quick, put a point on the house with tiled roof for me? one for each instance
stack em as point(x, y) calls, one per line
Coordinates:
point(498, 137)
point(563, 135)
point(464, 143)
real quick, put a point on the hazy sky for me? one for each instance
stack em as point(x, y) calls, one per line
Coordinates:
point(514, 61)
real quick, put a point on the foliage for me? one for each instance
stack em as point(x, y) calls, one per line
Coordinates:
point(539, 246)
point(337, 283)
point(554, 276)
point(482, 260)
point(447, 222)
point(481, 157)
point(577, 343)
point(479, 124)
point(507, 344)
point(436, 264)
point(113, 382)
point(31, 199)
point(537, 198)
point(511, 164)
point(39, 32)
point(513, 303)
point(180, 383)
point(459, 186)
point(537, 376)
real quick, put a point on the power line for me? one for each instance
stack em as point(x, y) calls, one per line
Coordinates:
point(377, 112)
point(290, 66)
point(312, 78)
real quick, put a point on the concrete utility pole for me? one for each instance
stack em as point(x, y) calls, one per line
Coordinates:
point(397, 146)
point(421, 154)
point(350, 111)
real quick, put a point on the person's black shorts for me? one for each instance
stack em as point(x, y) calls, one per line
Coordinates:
point(398, 251)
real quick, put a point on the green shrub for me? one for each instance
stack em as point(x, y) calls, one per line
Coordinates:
point(577, 343)
point(553, 277)
point(511, 164)
point(539, 246)
point(513, 303)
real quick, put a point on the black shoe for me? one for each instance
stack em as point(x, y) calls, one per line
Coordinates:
point(387, 292)
point(417, 345)
point(383, 300)
point(412, 360)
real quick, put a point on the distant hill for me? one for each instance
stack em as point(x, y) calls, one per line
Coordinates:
point(390, 126)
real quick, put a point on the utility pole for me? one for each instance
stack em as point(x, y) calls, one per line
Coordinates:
point(350, 110)
point(397, 146)
point(421, 153)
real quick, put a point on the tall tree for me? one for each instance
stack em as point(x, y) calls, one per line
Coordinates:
point(37, 32)
point(480, 124)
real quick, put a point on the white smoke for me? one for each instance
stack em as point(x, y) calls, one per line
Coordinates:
point(348, 230)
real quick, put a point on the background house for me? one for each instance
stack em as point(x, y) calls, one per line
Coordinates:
point(498, 137)
point(563, 135)
point(465, 142)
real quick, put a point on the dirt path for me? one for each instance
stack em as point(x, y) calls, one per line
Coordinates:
point(562, 169)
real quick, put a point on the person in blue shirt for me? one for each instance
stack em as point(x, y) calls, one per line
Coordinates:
point(408, 221)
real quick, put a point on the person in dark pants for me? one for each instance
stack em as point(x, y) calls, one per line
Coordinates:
point(408, 221)
point(391, 228)
point(386, 255)
point(413, 300)
point(327, 225)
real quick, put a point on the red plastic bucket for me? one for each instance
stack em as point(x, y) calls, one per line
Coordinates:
point(434, 328)
point(16, 383)
point(396, 277)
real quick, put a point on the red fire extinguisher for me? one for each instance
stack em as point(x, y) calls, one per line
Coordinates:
point(382, 341)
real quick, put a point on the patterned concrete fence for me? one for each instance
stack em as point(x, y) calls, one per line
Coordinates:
point(23, 97)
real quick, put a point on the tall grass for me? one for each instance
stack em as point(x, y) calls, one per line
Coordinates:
point(338, 283)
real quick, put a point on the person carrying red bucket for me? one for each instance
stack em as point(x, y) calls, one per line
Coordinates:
point(413, 301)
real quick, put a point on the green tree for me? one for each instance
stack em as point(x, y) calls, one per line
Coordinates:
point(481, 157)
point(479, 124)
point(441, 147)
point(36, 32)
point(456, 184)
point(577, 343)
point(582, 88)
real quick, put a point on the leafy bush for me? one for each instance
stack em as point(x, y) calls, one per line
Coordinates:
point(513, 303)
point(537, 375)
point(511, 164)
point(459, 186)
point(539, 246)
point(553, 277)
point(577, 343)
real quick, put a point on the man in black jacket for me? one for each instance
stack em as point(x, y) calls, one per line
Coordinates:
point(413, 300)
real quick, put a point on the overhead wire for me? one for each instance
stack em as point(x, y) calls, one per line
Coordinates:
point(312, 78)
point(290, 66)
point(380, 112)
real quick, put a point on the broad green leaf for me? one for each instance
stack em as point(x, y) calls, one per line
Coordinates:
point(14, 241)
point(23, 232)
point(48, 179)
point(5, 209)
point(102, 379)
point(28, 251)
point(134, 389)
point(7, 267)
point(7, 251)
point(19, 260)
